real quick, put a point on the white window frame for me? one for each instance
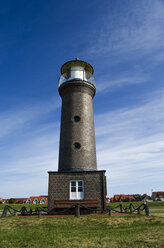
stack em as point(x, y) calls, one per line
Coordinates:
point(35, 201)
point(77, 195)
point(42, 201)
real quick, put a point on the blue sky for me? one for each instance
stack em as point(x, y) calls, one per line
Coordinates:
point(124, 42)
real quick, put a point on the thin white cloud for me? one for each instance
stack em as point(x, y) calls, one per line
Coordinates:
point(130, 143)
point(25, 163)
point(106, 85)
point(138, 31)
point(14, 119)
point(130, 147)
point(28, 146)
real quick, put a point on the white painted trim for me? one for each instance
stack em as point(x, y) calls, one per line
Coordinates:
point(76, 195)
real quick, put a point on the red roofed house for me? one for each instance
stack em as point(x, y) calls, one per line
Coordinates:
point(37, 200)
point(145, 197)
point(20, 200)
point(1, 200)
point(121, 198)
point(158, 196)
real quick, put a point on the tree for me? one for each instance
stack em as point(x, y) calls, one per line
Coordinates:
point(137, 197)
point(12, 201)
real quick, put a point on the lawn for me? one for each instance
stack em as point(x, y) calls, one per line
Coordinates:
point(152, 205)
point(83, 232)
point(19, 206)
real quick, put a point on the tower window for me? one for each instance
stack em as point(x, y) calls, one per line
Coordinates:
point(77, 146)
point(76, 118)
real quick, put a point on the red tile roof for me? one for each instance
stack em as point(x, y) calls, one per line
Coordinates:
point(158, 194)
point(118, 198)
point(38, 198)
point(23, 200)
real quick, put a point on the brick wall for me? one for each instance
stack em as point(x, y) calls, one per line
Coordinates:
point(77, 101)
point(94, 186)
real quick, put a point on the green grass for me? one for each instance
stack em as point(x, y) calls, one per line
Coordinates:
point(156, 205)
point(19, 206)
point(84, 232)
point(100, 231)
point(156, 208)
point(152, 205)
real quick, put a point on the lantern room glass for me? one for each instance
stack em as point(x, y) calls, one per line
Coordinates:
point(77, 73)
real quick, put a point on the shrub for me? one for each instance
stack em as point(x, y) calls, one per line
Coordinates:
point(126, 200)
point(12, 201)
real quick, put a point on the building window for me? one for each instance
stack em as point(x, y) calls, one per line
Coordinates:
point(42, 201)
point(35, 201)
point(76, 190)
point(28, 201)
point(77, 146)
point(80, 186)
point(76, 118)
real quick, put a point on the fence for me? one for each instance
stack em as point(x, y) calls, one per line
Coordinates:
point(8, 210)
point(23, 211)
point(131, 209)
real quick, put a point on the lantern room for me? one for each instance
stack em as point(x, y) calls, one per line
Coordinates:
point(77, 70)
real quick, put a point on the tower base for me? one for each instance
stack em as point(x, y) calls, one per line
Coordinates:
point(61, 199)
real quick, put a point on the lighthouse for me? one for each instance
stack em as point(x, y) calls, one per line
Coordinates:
point(77, 180)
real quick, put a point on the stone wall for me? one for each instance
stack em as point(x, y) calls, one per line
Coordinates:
point(94, 187)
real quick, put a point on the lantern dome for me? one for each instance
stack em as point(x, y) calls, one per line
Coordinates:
point(77, 70)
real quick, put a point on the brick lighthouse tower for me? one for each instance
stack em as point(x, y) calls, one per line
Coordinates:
point(77, 181)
